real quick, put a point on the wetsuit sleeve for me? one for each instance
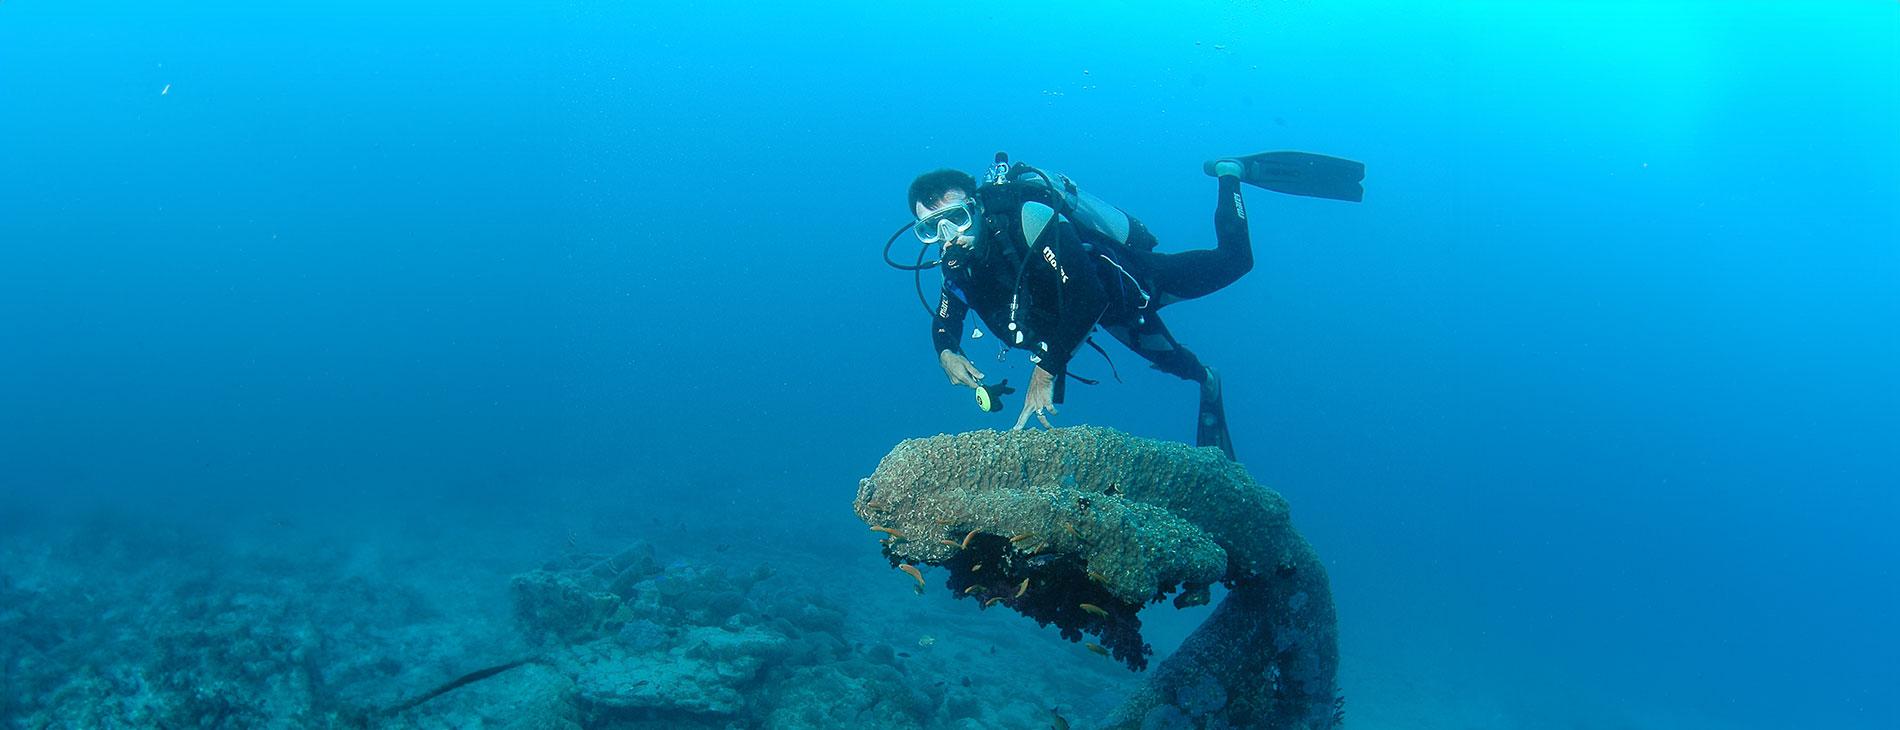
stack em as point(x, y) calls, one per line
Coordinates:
point(946, 328)
point(1079, 297)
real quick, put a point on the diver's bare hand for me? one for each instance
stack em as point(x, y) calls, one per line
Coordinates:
point(959, 369)
point(1040, 400)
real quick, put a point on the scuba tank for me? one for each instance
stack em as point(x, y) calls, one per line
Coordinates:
point(1007, 186)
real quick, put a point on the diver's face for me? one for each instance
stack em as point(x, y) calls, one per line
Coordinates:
point(966, 239)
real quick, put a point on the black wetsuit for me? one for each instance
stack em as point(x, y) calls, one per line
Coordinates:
point(1078, 279)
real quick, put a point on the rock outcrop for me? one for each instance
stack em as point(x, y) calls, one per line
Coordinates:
point(1083, 527)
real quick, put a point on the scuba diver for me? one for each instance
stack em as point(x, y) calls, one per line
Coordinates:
point(1044, 264)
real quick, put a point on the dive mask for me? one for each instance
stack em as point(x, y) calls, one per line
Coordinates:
point(947, 223)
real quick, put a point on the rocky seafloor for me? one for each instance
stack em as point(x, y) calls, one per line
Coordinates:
point(117, 623)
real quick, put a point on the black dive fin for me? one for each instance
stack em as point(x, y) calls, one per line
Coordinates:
point(1210, 426)
point(1302, 173)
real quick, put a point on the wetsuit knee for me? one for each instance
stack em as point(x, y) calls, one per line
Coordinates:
point(1179, 362)
point(1242, 261)
point(1149, 338)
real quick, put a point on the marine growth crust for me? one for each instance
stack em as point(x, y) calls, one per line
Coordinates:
point(1084, 527)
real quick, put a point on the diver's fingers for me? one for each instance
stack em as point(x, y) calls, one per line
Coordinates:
point(973, 371)
point(1045, 419)
point(1023, 420)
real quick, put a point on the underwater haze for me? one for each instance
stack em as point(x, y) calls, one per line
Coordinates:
point(335, 337)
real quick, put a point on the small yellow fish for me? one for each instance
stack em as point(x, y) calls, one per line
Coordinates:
point(1097, 577)
point(1097, 648)
point(992, 602)
point(972, 589)
point(1056, 721)
point(914, 573)
point(966, 539)
point(1022, 588)
point(1089, 607)
point(887, 531)
point(1020, 538)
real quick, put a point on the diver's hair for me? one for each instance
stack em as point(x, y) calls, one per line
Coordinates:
point(930, 187)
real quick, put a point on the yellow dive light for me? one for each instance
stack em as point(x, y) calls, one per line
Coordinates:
point(989, 398)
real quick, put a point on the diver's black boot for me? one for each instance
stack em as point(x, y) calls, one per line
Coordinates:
point(1211, 428)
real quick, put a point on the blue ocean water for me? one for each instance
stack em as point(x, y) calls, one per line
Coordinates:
point(1591, 408)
